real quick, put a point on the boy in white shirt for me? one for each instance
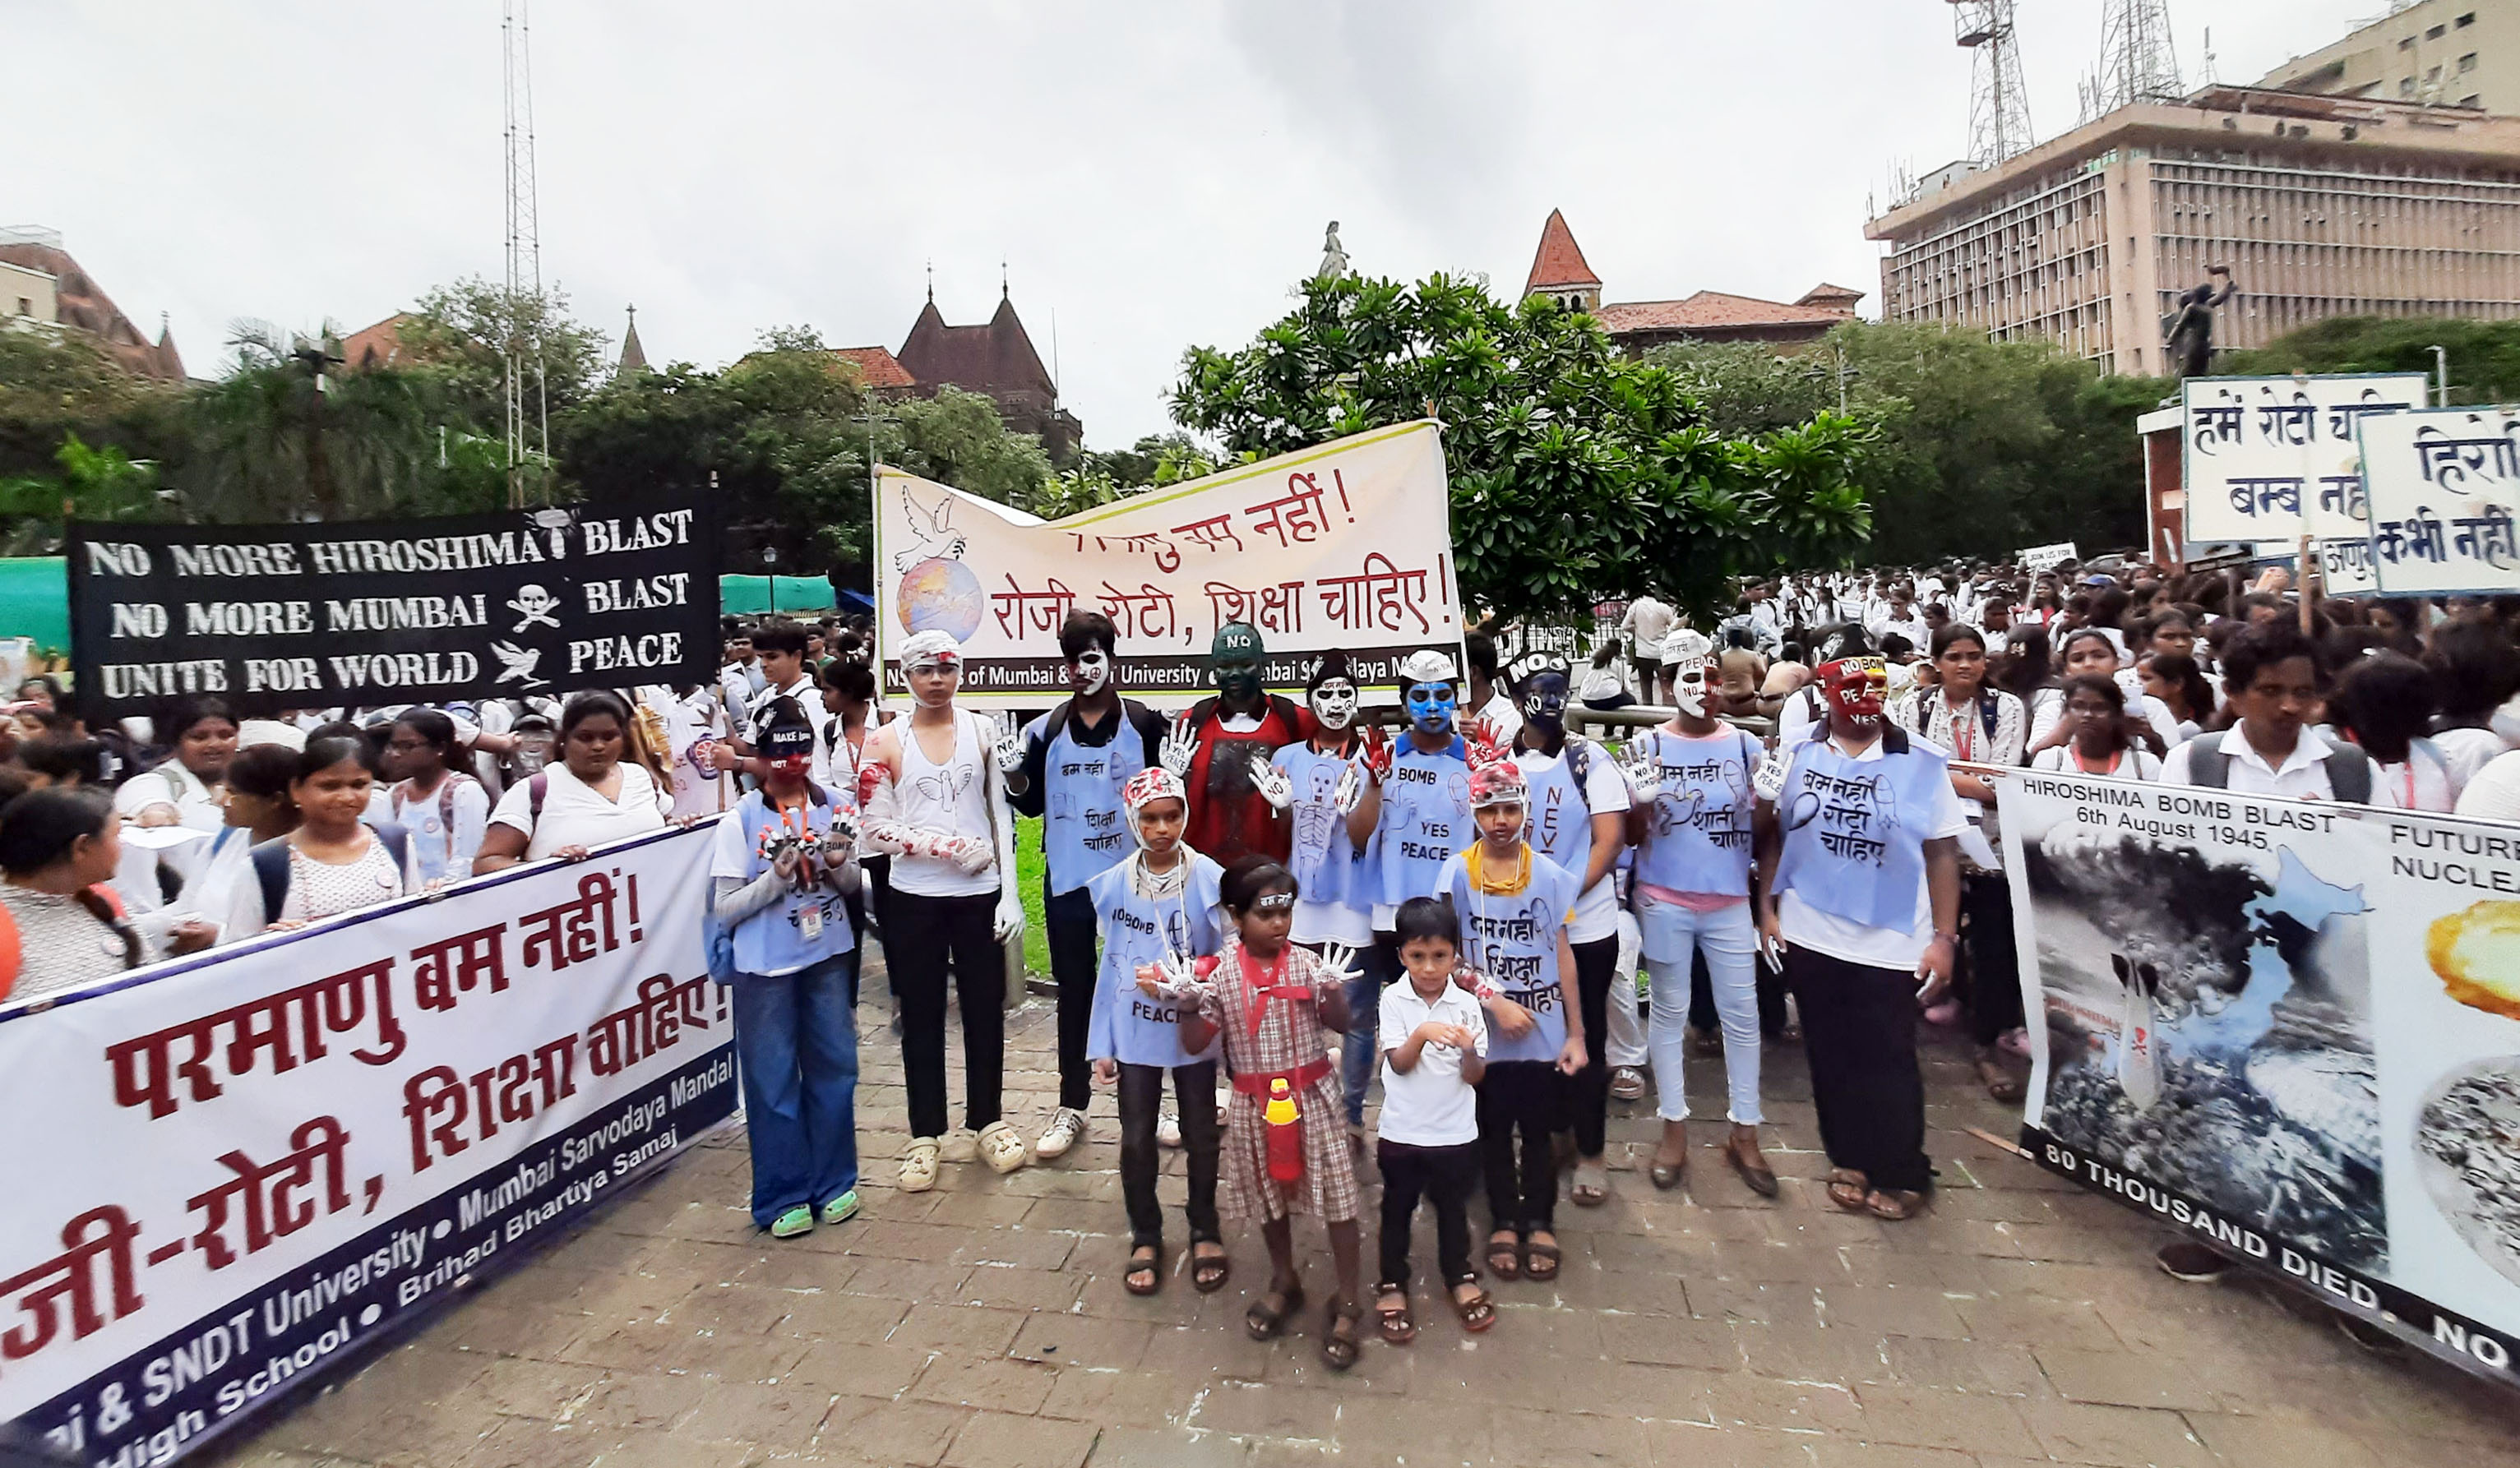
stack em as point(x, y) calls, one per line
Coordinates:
point(1435, 1044)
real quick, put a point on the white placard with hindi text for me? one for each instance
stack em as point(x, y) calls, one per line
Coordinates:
point(2275, 458)
point(2444, 489)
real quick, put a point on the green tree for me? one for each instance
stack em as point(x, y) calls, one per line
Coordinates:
point(460, 332)
point(1577, 475)
point(1984, 446)
point(2484, 355)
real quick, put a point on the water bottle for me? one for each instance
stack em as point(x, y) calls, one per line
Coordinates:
point(1286, 1133)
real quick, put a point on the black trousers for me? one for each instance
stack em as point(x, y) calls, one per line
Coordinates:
point(1989, 960)
point(1525, 1098)
point(1142, 1096)
point(1860, 1031)
point(1067, 922)
point(868, 898)
point(1444, 1178)
point(1588, 1092)
point(925, 936)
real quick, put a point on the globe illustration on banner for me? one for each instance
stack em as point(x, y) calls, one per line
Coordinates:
point(940, 595)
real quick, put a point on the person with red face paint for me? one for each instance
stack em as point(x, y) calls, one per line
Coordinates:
point(1860, 904)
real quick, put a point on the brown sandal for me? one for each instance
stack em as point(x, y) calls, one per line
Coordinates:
point(1999, 1082)
point(1147, 1260)
point(1209, 1272)
point(1339, 1347)
point(1846, 1189)
point(1534, 1256)
point(1266, 1324)
point(1760, 1177)
point(1505, 1254)
point(1398, 1329)
point(1894, 1204)
point(1478, 1312)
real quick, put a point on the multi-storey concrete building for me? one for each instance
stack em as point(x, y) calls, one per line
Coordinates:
point(2321, 207)
point(2443, 53)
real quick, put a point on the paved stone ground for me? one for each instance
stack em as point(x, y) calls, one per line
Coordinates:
point(983, 1326)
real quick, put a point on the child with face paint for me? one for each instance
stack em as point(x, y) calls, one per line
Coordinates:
point(1069, 767)
point(1276, 1007)
point(1158, 911)
point(784, 863)
point(1320, 784)
point(1860, 891)
point(1693, 897)
point(936, 803)
point(1514, 905)
point(1218, 744)
point(1578, 819)
point(1417, 806)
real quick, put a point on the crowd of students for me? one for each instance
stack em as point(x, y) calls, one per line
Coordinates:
point(1284, 900)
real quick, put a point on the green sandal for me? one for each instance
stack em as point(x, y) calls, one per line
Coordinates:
point(842, 1208)
point(795, 1221)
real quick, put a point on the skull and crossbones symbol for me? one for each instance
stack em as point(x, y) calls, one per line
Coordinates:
point(533, 605)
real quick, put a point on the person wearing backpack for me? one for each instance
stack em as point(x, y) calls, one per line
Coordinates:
point(445, 811)
point(334, 863)
point(783, 868)
point(590, 796)
point(2272, 682)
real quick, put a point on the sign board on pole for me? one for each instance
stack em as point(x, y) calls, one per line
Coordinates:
point(2037, 559)
point(2274, 458)
point(2444, 489)
point(270, 617)
point(1347, 545)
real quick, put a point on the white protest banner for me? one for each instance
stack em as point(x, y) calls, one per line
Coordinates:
point(2288, 1028)
point(2037, 559)
point(1347, 545)
point(226, 1172)
point(2345, 566)
point(2274, 458)
point(2445, 488)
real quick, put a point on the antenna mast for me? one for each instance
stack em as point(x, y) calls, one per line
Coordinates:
point(1999, 100)
point(2138, 61)
point(528, 417)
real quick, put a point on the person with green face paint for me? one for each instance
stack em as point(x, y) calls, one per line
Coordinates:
point(1214, 746)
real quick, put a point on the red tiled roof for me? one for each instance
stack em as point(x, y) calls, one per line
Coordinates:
point(83, 306)
point(1708, 309)
point(379, 345)
point(1559, 262)
point(876, 366)
point(1828, 296)
point(996, 358)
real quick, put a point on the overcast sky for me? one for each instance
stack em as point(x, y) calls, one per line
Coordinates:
point(1155, 174)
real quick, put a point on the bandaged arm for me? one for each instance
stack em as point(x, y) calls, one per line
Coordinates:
point(887, 832)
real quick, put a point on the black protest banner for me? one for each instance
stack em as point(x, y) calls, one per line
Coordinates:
point(398, 612)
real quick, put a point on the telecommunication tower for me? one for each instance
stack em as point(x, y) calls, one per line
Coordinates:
point(1999, 102)
point(528, 407)
point(2138, 61)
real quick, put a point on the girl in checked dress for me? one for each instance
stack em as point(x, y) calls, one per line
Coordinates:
point(1278, 1005)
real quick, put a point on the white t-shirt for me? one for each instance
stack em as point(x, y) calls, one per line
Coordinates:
point(1649, 621)
point(1502, 719)
point(2493, 792)
point(1431, 1106)
point(574, 815)
point(1807, 927)
point(1597, 910)
point(2468, 750)
point(2132, 763)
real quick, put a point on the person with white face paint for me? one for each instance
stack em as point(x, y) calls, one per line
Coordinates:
point(1693, 896)
point(1069, 767)
point(1320, 783)
point(936, 803)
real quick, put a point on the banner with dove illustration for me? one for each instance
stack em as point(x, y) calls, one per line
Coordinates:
point(1347, 545)
point(2289, 1029)
point(272, 617)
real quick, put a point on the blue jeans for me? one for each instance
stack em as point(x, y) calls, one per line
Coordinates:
point(796, 1042)
point(1730, 940)
point(1360, 1056)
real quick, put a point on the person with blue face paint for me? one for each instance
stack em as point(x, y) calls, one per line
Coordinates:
point(1578, 819)
point(1419, 805)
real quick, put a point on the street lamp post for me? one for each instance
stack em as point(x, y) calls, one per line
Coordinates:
point(2441, 376)
point(770, 558)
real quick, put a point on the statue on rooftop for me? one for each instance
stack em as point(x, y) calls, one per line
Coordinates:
point(2189, 332)
point(1333, 258)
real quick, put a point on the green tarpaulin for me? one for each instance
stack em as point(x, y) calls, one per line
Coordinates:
point(751, 596)
point(35, 599)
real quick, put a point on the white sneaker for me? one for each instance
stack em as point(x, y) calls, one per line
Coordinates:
point(1168, 1127)
point(962, 1145)
point(1065, 1130)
